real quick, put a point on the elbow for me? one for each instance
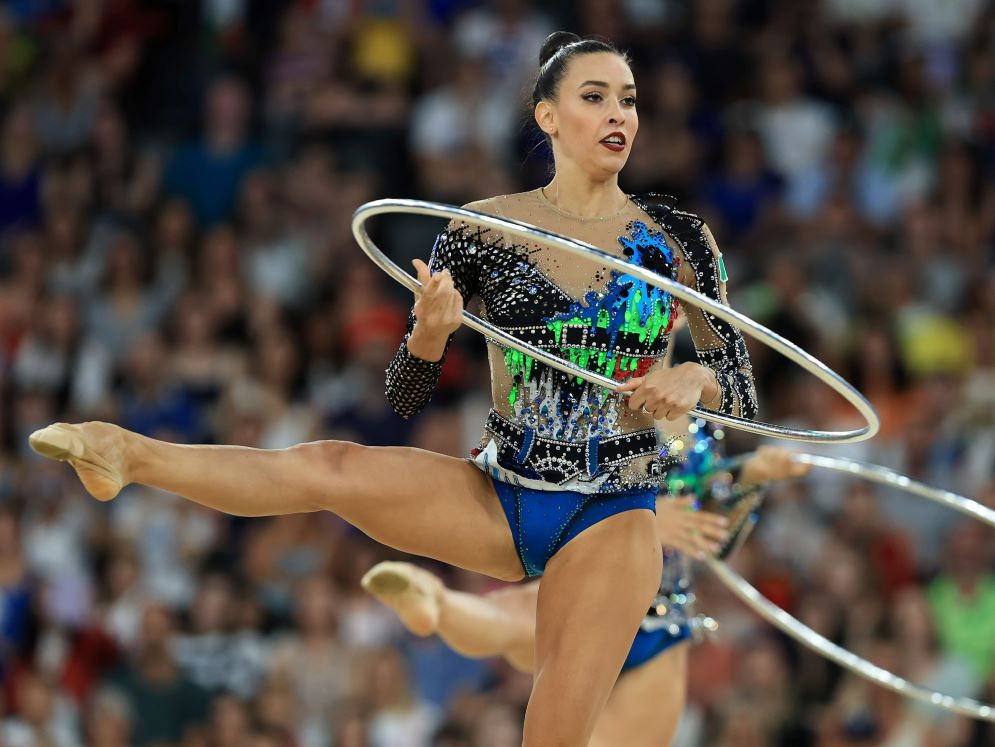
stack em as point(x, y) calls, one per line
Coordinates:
point(749, 407)
point(401, 406)
point(751, 401)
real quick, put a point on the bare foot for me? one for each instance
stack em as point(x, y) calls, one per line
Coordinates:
point(95, 450)
point(412, 592)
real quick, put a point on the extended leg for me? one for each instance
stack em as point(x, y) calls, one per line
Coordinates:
point(410, 499)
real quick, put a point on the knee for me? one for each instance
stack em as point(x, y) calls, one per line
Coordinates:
point(332, 465)
point(512, 574)
point(332, 456)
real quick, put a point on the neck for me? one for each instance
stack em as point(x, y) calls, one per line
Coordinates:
point(582, 196)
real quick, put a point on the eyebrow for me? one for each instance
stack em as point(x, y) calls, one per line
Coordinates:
point(602, 84)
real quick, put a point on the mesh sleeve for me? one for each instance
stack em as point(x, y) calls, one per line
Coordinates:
point(718, 344)
point(411, 381)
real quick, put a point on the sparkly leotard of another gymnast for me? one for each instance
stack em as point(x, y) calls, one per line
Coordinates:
point(563, 453)
point(702, 473)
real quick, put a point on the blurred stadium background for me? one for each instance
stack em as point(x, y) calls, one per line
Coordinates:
point(176, 183)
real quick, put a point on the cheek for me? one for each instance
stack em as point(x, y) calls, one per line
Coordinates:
point(578, 124)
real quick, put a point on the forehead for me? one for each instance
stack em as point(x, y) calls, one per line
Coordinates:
point(604, 66)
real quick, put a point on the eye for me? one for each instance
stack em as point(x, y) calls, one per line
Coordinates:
point(629, 101)
point(593, 96)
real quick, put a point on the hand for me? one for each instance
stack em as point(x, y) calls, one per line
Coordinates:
point(681, 527)
point(772, 463)
point(438, 312)
point(668, 393)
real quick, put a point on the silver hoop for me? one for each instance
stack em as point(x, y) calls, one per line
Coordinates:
point(835, 653)
point(578, 248)
point(793, 627)
point(885, 476)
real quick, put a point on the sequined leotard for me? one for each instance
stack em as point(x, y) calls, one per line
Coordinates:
point(704, 474)
point(547, 430)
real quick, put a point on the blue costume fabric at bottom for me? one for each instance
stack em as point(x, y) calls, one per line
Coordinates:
point(543, 521)
point(651, 643)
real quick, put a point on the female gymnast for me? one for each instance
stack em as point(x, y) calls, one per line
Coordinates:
point(572, 468)
point(646, 703)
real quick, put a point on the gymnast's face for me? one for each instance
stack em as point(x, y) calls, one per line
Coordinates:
point(593, 120)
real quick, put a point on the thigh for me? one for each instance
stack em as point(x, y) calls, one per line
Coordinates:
point(422, 503)
point(646, 703)
point(593, 596)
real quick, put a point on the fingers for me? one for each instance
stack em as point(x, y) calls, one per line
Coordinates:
point(674, 407)
point(421, 271)
point(800, 470)
point(438, 304)
point(670, 509)
point(632, 384)
point(707, 531)
point(707, 546)
point(697, 533)
point(709, 524)
point(428, 279)
point(777, 463)
point(694, 543)
point(637, 399)
point(791, 467)
point(687, 545)
point(713, 533)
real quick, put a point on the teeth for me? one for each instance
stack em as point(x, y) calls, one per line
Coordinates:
point(612, 140)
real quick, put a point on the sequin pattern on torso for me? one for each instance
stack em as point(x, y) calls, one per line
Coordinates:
point(547, 428)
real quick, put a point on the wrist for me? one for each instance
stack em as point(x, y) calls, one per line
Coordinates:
point(426, 345)
point(711, 393)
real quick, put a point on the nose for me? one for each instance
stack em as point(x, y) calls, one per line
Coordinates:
point(618, 116)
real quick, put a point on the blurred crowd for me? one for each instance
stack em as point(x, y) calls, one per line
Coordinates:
point(177, 179)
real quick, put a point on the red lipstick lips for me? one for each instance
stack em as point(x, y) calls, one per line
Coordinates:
point(614, 141)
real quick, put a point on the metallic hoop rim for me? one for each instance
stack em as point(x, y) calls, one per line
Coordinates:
point(740, 321)
point(891, 478)
point(780, 619)
point(793, 627)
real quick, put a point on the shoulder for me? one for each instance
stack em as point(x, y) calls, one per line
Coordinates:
point(500, 204)
point(687, 228)
point(664, 210)
point(490, 205)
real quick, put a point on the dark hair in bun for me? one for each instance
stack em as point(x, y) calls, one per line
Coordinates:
point(554, 43)
point(559, 48)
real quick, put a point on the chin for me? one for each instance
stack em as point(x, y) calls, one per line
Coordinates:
point(609, 167)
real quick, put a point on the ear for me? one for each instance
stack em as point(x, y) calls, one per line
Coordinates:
point(545, 116)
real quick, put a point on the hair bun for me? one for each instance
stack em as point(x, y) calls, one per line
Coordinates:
point(554, 43)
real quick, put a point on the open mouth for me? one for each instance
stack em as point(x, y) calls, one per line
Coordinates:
point(615, 141)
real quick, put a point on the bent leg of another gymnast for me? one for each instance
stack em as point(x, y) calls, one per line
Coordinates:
point(574, 630)
point(645, 705)
point(499, 623)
